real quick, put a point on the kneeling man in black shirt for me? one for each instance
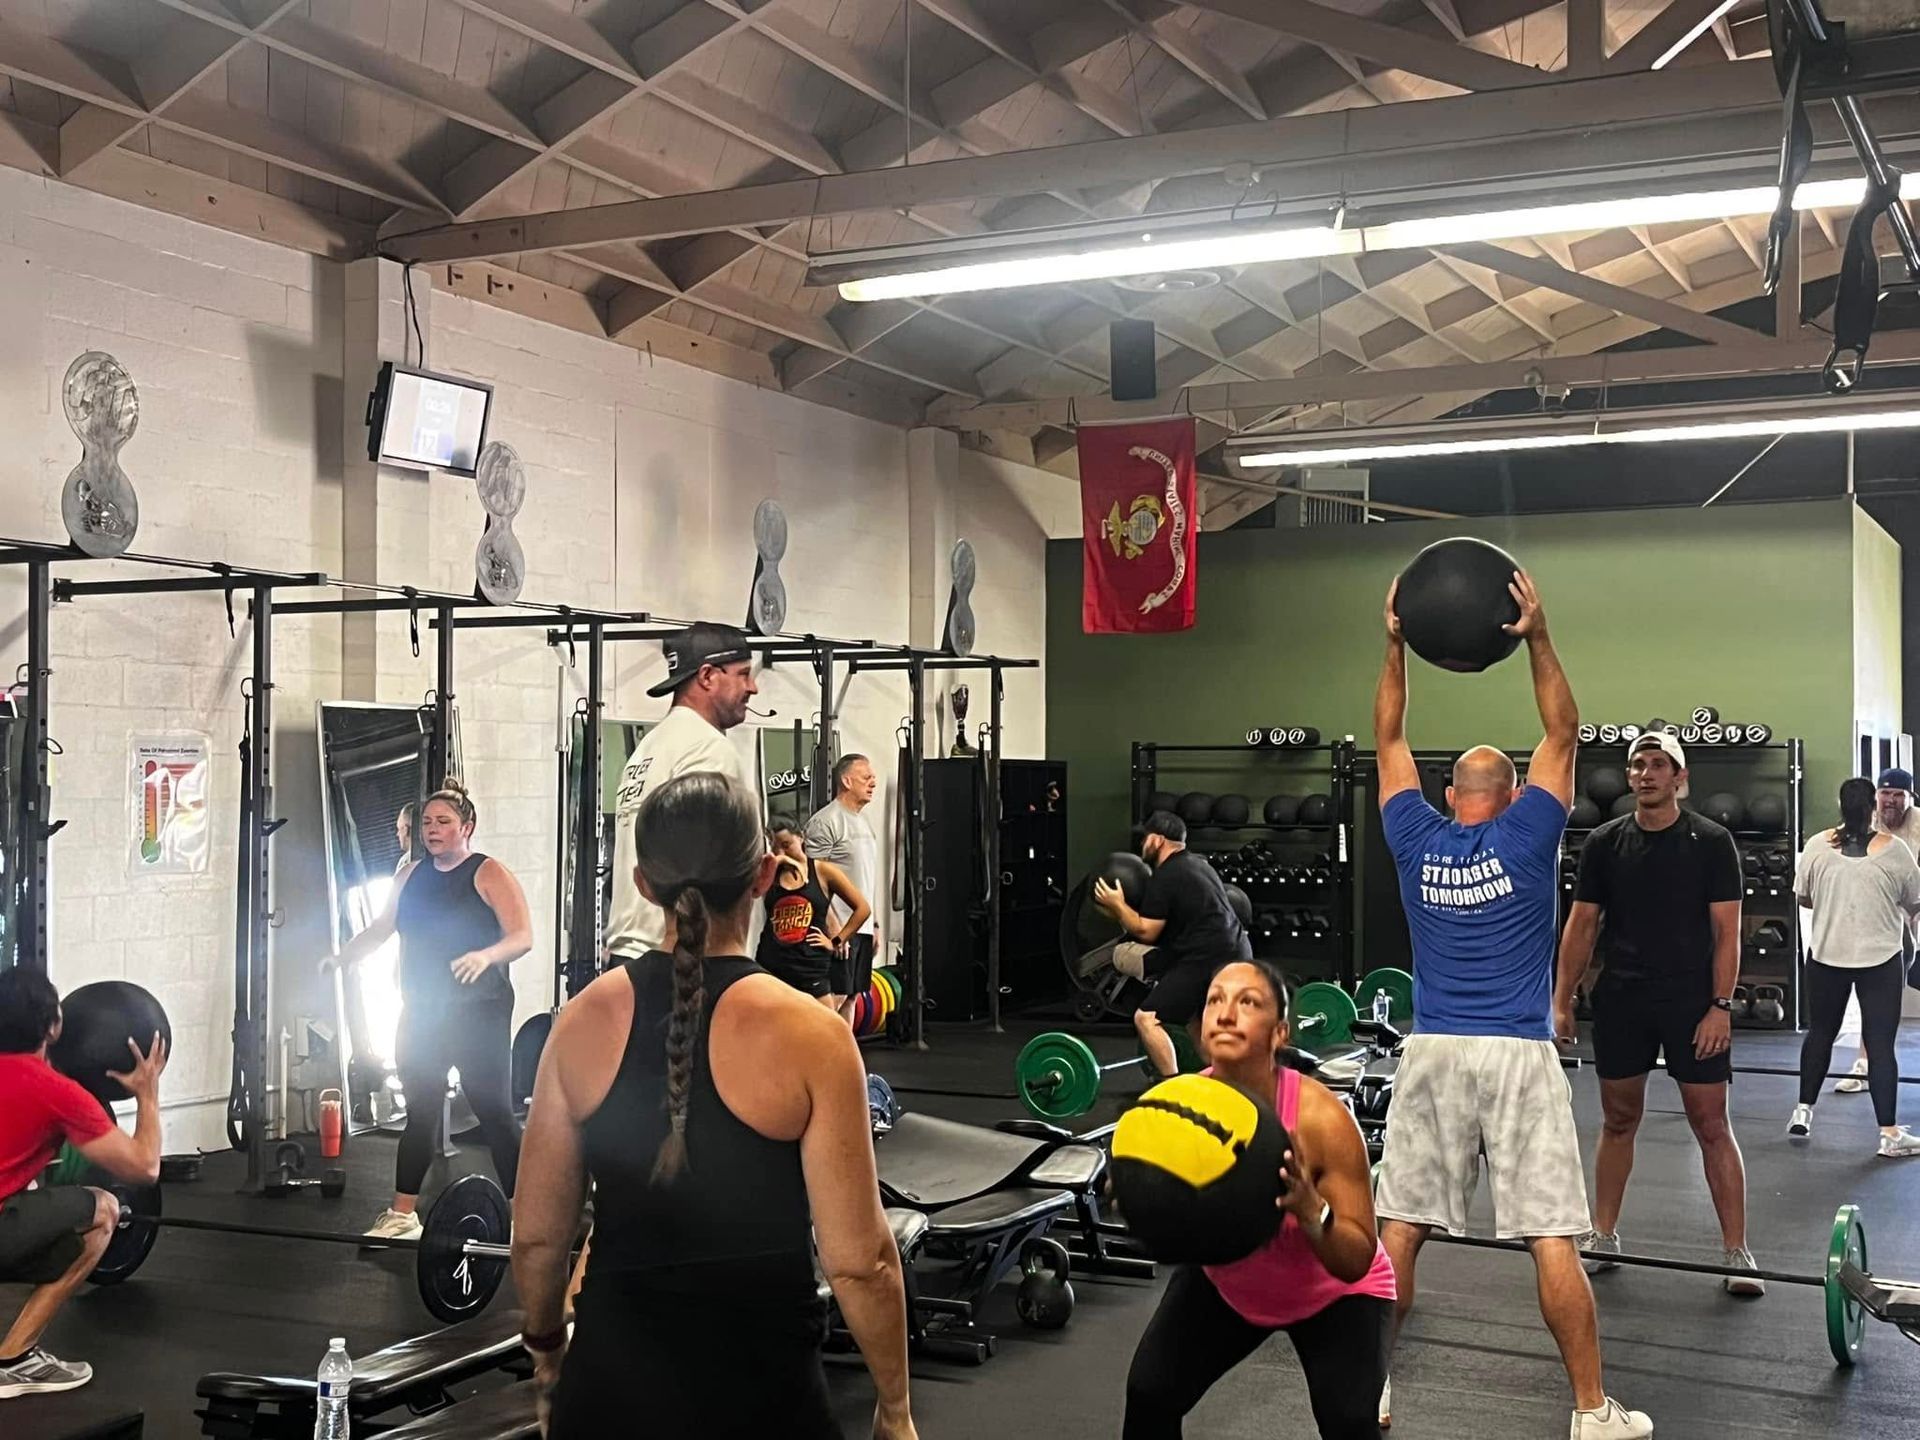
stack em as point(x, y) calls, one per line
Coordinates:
point(1183, 931)
point(1659, 900)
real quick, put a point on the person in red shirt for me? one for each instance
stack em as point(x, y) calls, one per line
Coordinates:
point(51, 1238)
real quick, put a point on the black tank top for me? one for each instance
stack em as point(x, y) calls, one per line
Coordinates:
point(735, 1222)
point(790, 915)
point(441, 917)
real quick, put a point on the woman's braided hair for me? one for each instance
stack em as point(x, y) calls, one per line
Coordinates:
point(700, 844)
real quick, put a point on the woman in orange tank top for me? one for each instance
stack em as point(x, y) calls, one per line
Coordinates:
point(1323, 1278)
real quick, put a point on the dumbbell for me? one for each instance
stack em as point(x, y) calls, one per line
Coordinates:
point(1769, 1004)
point(1777, 863)
point(279, 1184)
point(1752, 863)
point(1313, 923)
point(1770, 934)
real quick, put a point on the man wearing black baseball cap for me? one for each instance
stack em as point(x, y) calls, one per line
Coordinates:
point(1658, 899)
point(710, 676)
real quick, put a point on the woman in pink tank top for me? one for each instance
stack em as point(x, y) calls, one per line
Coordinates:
point(1323, 1278)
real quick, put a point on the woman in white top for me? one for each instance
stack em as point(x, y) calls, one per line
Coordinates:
point(1863, 889)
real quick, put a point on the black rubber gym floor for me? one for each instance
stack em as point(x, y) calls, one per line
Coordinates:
point(1476, 1362)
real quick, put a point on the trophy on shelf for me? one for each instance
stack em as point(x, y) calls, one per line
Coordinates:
point(961, 748)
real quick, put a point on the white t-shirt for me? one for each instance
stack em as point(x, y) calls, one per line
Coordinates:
point(845, 837)
point(682, 744)
point(1860, 903)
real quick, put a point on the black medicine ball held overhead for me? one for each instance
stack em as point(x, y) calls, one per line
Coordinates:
point(1453, 601)
point(1196, 1168)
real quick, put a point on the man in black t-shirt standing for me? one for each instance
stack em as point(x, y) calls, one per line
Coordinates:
point(1183, 931)
point(1659, 900)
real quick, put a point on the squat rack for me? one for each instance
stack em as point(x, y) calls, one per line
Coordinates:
point(822, 653)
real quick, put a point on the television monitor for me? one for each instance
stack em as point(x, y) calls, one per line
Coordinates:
point(427, 421)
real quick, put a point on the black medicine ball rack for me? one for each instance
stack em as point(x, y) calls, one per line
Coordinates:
point(1768, 997)
point(1298, 874)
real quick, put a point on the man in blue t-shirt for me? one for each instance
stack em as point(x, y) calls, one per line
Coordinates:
point(1481, 1073)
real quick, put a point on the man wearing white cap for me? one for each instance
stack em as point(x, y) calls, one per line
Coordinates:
point(1659, 900)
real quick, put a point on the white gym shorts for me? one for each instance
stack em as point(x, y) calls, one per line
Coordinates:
point(1454, 1095)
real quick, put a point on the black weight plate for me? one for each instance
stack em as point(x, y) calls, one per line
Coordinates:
point(133, 1241)
point(528, 1044)
point(1088, 1006)
point(452, 1284)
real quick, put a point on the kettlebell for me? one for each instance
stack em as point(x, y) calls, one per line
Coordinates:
point(1742, 1003)
point(1045, 1298)
point(1769, 1004)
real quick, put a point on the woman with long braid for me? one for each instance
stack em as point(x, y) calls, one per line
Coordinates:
point(1863, 888)
point(722, 1118)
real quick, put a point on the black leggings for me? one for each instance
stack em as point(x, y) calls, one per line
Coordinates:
point(1880, 989)
point(1195, 1337)
point(476, 1040)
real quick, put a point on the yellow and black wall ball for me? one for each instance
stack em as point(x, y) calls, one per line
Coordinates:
point(1196, 1169)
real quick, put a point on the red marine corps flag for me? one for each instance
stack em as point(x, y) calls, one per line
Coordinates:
point(1137, 526)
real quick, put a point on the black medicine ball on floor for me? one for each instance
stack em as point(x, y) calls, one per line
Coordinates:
point(1453, 600)
point(97, 1021)
point(1163, 800)
point(1767, 810)
point(1606, 785)
point(1238, 902)
point(1195, 807)
point(1231, 810)
point(1282, 810)
point(1129, 872)
point(1625, 805)
point(1724, 809)
point(1316, 810)
point(1196, 1169)
point(1584, 816)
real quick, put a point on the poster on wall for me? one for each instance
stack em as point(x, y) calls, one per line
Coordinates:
point(1138, 527)
point(168, 776)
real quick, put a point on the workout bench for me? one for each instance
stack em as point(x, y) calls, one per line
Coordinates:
point(412, 1378)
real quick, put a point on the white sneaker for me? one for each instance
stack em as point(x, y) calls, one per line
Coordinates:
point(1596, 1241)
point(392, 1225)
point(1898, 1145)
point(1800, 1124)
point(1742, 1259)
point(1386, 1403)
point(1856, 1080)
point(38, 1373)
point(1612, 1421)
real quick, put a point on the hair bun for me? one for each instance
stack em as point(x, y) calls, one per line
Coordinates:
point(455, 784)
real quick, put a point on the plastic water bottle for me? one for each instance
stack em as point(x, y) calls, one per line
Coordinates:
point(331, 1421)
point(1382, 1007)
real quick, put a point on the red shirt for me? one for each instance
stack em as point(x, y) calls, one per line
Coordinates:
point(40, 1108)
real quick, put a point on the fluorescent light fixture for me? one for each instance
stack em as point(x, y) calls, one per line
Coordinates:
point(1706, 22)
point(1256, 244)
point(1642, 429)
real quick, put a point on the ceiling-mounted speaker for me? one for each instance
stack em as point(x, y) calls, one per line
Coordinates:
point(1130, 360)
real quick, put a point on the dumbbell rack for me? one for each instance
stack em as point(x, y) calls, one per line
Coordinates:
point(1297, 883)
point(1768, 898)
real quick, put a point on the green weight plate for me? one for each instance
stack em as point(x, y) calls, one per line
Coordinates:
point(453, 1285)
point(1324, 1014)
point(1399, 987)
point(1058, 1076)
point(889, 979)
point(1846, 1317)
point(69, 1167)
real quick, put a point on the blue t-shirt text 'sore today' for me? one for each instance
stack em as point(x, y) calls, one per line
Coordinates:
point(1481, 908)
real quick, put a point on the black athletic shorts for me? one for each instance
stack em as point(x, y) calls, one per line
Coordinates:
point(1631, 1028)
point(40, 1233)
point(807, 979)
point(1179, 994)
point(854, 974)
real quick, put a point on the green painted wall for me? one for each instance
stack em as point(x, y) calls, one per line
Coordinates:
point(1748, 608)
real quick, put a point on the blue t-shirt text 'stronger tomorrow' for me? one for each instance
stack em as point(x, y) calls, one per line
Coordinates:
point(1481, 905)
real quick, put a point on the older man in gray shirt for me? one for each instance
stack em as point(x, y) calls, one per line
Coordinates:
point(840, 832)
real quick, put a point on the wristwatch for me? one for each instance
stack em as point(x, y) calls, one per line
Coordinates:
point(1321, 1223)
point(1721, 1002)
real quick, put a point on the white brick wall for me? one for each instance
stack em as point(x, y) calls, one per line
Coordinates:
point(642, 480)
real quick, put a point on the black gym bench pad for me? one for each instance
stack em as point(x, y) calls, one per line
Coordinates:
point(415, 1374)
point(508, 1413)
